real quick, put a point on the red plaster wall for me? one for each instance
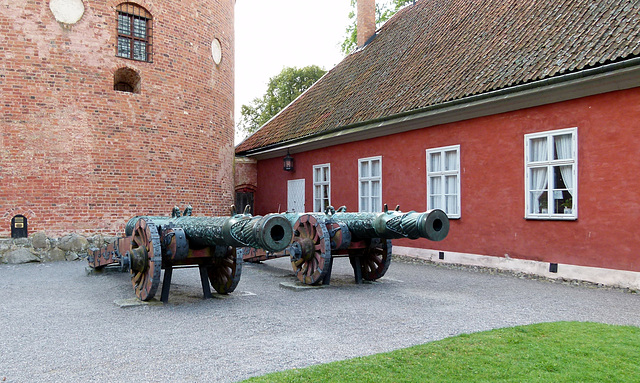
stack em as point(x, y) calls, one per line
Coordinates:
point(492, 182)
point(75, 155)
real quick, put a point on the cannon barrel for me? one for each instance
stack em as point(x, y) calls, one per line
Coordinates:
point(432, 225)
point(271, 232)
point(364, 237)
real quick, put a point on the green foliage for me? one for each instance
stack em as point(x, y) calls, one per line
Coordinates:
point(546, 352)
point(384, 11)
point(281, 91)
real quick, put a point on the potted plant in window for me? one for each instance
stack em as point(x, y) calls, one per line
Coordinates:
point(567, 204)
point(542, 204)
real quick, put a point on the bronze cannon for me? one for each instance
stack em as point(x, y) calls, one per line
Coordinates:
point(215, 245)
point(363, 237)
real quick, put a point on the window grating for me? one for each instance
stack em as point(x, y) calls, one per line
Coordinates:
point(135, 33)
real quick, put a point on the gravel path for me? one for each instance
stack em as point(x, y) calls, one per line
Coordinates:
point(58, 324)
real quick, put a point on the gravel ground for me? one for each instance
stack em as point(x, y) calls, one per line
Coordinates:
point(58, 324)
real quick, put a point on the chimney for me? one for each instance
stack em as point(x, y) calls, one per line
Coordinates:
point(366, 20)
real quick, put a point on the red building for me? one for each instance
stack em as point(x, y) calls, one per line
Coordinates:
point(520, 119)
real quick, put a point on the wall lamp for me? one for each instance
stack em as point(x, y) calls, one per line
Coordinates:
point(288, 162)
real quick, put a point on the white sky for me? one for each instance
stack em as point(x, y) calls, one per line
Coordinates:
point(274, 34)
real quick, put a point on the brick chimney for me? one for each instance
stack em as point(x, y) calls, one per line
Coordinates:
point(366, 20)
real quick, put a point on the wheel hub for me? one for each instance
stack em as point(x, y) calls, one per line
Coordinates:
point(307, 249)
point(139, 257)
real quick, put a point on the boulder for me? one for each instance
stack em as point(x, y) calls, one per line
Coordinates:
point(6, 244)
point(21, 242)
point(53, 255)
point(39, 240)
point(20, 255)
point(73, 242)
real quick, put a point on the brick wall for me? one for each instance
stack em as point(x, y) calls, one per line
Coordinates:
point(246, 173)
point(77, 156)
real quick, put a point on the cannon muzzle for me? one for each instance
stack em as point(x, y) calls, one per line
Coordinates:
point(432, 225)
point(272, 232)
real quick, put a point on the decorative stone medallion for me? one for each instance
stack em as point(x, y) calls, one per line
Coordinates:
point(67, 11)
point(216, 51)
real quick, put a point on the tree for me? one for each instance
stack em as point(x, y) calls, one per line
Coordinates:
point(281, 91)
point(384, 11)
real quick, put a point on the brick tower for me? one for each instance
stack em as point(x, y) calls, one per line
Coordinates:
point(112, 109)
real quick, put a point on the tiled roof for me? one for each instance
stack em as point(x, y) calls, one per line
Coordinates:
point(441, 50)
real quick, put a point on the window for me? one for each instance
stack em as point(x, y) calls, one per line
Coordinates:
point(551, 164)
point(126, 80)
point(443, 180)
point(135, 33)
point(321, 187)
point(370, 184)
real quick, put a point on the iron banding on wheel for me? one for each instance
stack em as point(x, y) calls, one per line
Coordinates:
point(146, 259)
point(311, 249)
point(224, 273)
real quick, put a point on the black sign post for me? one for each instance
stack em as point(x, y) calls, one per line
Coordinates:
point(19, 227)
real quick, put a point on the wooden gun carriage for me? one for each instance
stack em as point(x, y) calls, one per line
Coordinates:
point(215, 245)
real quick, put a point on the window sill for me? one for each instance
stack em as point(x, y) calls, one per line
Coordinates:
point(132, 59)
point(555, 217)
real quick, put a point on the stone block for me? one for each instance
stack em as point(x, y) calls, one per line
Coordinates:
point(20, 255)
point(53, 255)
point(71, 256)
point(73, 242)
point(22, 242)
point(39, 240)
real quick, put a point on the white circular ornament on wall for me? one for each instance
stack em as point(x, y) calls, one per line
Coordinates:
point(216, 51)
point(67, 11)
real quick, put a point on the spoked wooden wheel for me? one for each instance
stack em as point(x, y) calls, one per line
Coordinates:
point(311, 249)
point(224, 273)
point(146, 259)
point(376, 259)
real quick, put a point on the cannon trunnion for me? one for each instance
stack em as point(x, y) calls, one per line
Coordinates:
point(215, 245)
point(363, 237)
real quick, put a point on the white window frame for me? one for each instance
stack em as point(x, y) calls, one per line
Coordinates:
point(550, 163)
point(443, 174)
point(369, 180)
point(318, 205)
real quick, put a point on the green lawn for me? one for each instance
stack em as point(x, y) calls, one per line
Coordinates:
point(546, 352)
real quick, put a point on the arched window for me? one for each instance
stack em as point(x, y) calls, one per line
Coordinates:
point(135, 33)
point(126, 80)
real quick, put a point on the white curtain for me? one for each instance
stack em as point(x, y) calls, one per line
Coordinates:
point(563, 148)
point(538, 175)
point(451, 160)
point(436, 193)
point(451, 194)
point(435, 163)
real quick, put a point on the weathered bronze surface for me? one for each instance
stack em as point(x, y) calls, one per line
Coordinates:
point(363, 237)
point(271, 232)
point(214, 244)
